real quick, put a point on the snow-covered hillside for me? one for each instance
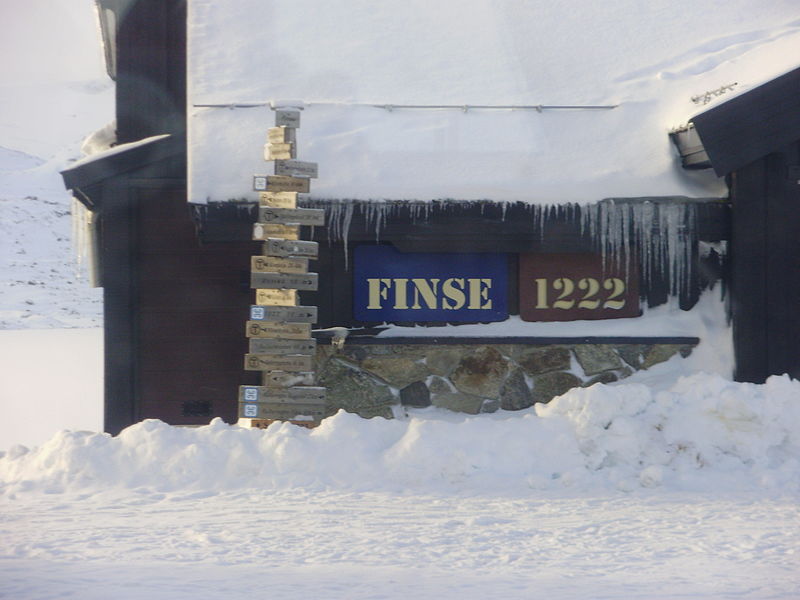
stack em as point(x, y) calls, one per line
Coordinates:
point(52, 95)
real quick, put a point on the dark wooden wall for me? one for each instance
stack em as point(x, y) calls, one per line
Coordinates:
point(765, 266)
point(151, 69)
point(175, 311)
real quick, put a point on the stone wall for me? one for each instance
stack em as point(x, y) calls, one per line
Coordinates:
point(371, 379)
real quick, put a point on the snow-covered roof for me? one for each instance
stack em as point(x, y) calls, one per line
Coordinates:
point(639, 68)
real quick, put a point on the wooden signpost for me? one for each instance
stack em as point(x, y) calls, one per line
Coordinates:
point(279, 331)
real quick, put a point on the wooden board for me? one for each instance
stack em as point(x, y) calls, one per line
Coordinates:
point(267, 329)
point(285, 362)
point(278, 199)
point(269, 297)
point(260, 393)
point(280, 183)
point(264, 423)
point(279, 247)
point(296, 168)
point(281, 135)
point(306, 281)
point(278, 346)
point(287, 118)
point(282, 314)
point(279, 151)
point(281, 412)
point(265, 231)
point(291, 216)
point(277, 264)
point(281, 379)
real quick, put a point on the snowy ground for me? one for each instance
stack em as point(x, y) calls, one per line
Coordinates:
point(671, 485)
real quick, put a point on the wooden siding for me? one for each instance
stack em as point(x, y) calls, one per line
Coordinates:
point(748, 127)
point(765, 266)
point(191, 307)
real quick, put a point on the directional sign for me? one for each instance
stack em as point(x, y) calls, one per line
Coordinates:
point(282, 314)
point(287, 118)
point(264, 231)
point(281, 135)
point(280, 183)
point(297, 216)
point(278, 247)
point(260, 393)
point(280, 412)
point(278, 151)
point(278, 199)
point(307, 281)
point(289, 331)
point(296, 168)
point(285, 362)
point(279, 346)
point(269, 297)
point(276, 264)
point(280, 379)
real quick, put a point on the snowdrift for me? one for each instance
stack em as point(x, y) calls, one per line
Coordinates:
point(704, 433)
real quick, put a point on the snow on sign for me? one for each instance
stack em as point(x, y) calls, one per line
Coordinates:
point(416, 287)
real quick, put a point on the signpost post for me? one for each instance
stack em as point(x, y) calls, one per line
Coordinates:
point(279, 330)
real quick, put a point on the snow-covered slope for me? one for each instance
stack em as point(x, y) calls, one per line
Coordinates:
point(353, 66)
point(52, 95)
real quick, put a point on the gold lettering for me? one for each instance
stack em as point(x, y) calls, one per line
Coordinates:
point(400, 293)
point(478, 291)
point(451, 292)
point(377, 292)
point(428, 291)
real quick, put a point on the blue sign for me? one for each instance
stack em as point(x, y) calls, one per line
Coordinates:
point(392, 286)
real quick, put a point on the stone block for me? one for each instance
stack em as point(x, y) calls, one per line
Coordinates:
point(355, 391)
point(595, 358)
point(416, 395)
point(440, 385)
point(458, 402)
point(398, 371)
point(543, 360)
point(633, 354)
point(515, 393)
point(549, 385)
point(442, 361)
point(659, 353)
point(481, 372)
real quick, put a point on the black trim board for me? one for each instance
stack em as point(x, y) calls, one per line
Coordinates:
point(325, 337)
point(752, 125)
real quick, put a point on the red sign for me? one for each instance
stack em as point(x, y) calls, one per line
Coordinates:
point(572, 287)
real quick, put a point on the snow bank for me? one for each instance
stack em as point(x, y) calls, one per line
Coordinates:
point(703, 433)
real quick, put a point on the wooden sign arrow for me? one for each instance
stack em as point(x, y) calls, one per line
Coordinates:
point(264, 231)
point(296, 168)
point(279, 346)
point(259, 393)
point(269, 297)
point(281, 135)
point(280, 379)
point(287, 118)
point(285, 362)
point(282, 314)
point(278, 199)
point(280, 183)
point(289, 331)
point(281, 412)
point(306, 281)
point(278, 247)
point(279, 151)
point(276, 264)
point(293, 216)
